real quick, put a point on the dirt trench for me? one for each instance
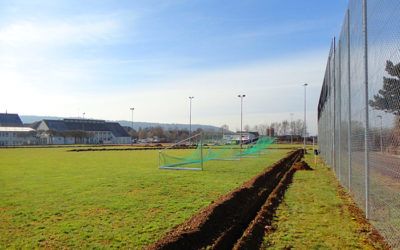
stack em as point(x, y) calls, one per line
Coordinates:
point(238, 219)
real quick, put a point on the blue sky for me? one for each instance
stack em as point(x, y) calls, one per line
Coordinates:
point(63, 58)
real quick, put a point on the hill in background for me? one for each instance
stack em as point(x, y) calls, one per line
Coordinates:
point(136, 125)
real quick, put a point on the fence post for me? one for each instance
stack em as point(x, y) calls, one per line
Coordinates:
point(334, 105)
point(339, 107)
point(201, 150)
point(366, 163)
point(349, 102)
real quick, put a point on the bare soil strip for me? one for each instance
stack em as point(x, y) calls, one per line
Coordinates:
point(253, 236)
point(131, 148)
point(236, 219)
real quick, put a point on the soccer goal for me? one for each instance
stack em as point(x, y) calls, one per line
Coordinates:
point(183, 155)
point(256, 149)
point(191, 153)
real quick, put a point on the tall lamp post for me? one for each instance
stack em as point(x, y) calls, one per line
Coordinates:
point(241, 118)
point(190, 117)
point(305, 122)
point(83, 115)
point(132, 121)
point(381, 141)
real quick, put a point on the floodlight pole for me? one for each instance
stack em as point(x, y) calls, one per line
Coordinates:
point(305, 123)
point(241, 119)
point(132, 122)
point(190, 117)
point(83, 115)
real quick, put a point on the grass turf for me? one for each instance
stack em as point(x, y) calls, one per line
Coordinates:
point(314, 216)
point(53, 198)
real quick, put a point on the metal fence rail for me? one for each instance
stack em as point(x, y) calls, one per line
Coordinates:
point(359, 111)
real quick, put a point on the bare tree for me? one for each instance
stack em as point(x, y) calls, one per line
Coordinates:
point(299, 127)
point(262, 129)
point(157, 132)
point(285, 127)
point(293, 127)
point(142, 134)
point(277, 127)
point(255, 128)
point(224, 128)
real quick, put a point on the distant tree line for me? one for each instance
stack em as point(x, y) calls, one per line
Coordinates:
point(171, 135)
point(158, 133)
point(278, 128)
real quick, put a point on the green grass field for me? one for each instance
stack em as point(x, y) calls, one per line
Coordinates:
point(53, 198)
point(314, 216)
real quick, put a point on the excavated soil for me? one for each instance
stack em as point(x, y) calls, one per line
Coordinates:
point(132, 148)
point(302, 165)
point(236, 220)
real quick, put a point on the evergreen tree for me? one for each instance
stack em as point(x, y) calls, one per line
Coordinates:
point(388, 98)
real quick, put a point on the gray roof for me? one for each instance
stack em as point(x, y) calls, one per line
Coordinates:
point(10, 120)
point(58, 125)
point(117, 129)
point(86, 125)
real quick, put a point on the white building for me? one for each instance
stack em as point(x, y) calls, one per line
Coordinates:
point(82, 131)
point(16, 136)
point(13, 133)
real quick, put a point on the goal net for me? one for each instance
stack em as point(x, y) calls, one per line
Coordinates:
point(191, 153)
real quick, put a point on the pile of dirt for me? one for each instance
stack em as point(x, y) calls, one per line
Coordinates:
point(221, 224)
point(302, 165)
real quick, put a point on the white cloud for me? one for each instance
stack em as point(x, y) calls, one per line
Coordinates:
point(56, 32)
point(273, 90)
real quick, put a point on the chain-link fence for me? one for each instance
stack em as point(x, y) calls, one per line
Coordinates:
point(359, 111)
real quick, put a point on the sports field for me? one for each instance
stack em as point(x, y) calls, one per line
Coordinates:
point(50, 197)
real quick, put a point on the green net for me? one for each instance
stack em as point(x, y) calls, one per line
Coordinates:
point(193, 152)
point(262, 143)
point(178, 158)
point(191, 156)
point(175, 157)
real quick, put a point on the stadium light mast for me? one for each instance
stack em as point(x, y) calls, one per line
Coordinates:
point(190, 116)
point(132, 122)
point(132, 109)
point(83, 115)
point(305, 122)
point(241, 118)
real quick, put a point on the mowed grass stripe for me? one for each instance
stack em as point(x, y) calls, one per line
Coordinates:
point(313, 215)
point(53, 198)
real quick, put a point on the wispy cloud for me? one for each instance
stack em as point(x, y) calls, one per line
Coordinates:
point(73, 30)
point(273, 89)
point(283, 29)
